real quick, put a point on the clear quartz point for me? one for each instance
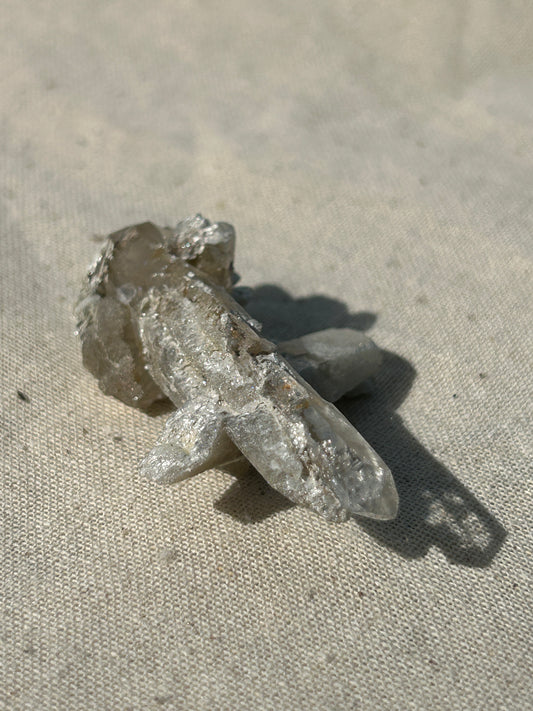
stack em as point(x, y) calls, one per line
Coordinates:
point(156, 319)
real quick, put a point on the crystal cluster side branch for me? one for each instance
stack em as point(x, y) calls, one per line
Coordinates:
point(156, 319)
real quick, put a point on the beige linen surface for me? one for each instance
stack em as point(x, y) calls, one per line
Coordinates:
point(376, 161)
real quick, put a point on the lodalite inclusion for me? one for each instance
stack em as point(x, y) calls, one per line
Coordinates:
point(157, 320)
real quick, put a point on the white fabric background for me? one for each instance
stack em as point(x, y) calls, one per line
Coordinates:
point(376, 161)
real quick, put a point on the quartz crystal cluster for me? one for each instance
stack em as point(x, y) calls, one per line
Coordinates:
point(157, 319)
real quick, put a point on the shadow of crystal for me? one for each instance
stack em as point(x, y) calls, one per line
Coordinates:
point(435, 508)
point(251, 500)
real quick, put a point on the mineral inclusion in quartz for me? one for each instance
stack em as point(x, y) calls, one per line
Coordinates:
point(157, 319)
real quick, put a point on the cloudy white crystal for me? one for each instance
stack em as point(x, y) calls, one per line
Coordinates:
point(156, 319)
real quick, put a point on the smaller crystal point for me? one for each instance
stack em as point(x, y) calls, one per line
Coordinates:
point(334, 361)
point(156, 319)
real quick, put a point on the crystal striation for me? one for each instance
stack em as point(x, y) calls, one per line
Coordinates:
point(157, 320)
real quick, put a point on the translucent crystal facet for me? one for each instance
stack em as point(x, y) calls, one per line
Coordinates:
point(157, 319)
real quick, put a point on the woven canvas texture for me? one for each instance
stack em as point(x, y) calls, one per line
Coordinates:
point(376, 161)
